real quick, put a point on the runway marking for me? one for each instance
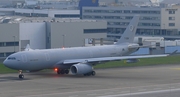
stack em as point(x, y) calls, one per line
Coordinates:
point(74, 96)
point(176, 68)
point(91, 94)
point(157, 88)
point(109, 93)
point(124, 91)
point(94, 90)
point(140, 93)
point(142, 90)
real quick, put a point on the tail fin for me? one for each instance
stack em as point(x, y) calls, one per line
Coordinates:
point(129, 33)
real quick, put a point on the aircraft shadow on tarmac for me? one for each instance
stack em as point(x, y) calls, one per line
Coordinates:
point(11, 78)
point(97, 76)
point(52, 75)
point(37, 75)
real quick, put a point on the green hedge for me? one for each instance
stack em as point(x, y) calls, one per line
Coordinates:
point(143, 62)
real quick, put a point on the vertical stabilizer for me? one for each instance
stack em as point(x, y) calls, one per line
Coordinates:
point(129, 33)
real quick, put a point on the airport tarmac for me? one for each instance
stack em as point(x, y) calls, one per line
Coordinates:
point(147, 81)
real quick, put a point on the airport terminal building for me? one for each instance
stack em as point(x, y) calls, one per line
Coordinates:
point(40, 13)
point(161, 22)
point(45, 33)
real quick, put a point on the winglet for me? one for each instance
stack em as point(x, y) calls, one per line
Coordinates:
point(28, 48)
point(173, 52)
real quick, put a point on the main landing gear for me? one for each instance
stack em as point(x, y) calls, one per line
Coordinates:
point(93, 73)
point(62, 71)
point(21, 76)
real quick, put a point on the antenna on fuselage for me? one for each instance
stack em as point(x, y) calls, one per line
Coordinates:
point(28, 48)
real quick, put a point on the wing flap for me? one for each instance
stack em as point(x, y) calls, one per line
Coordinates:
point(104, 59)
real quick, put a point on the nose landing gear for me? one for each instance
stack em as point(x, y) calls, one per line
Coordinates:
point(21, 76)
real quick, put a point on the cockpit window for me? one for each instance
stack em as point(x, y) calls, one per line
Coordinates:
point(11, 58)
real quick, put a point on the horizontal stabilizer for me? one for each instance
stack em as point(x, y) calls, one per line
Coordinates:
point(174, 52)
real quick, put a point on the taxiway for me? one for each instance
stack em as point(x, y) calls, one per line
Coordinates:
point(147, 81)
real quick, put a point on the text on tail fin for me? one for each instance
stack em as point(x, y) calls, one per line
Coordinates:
point(129, 33)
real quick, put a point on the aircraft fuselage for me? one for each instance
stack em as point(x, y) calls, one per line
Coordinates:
point(50, 58)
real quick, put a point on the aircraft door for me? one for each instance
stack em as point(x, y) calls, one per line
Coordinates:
point(24, 58)
point(118, 51)
point(90, 54)
point(47, 57)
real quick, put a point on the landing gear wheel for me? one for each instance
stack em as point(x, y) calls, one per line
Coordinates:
point(93, 73)
point(66, 71)
point(58, 72)
point(21, 76)
point(88, 74)
point(62, 71)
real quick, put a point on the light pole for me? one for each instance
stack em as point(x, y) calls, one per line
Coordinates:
point(164, 35)
point(63, 40)
point(14, 43)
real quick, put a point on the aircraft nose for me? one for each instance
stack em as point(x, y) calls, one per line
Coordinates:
point(5, 63)
point(8, 64)
point(12, 62)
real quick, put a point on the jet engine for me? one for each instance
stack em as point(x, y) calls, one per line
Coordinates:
point(81, 68)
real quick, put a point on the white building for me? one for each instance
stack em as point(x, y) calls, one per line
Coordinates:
point(171, 1)
point(40, 13)
point(161, 22)
point(42, 33)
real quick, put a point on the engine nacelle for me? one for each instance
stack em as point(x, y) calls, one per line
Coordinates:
point(81, 68)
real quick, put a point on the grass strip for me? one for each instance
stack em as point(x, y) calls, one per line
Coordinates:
point(4, 69)
point(142, 62)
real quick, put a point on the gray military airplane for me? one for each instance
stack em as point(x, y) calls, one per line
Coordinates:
point(78, 60)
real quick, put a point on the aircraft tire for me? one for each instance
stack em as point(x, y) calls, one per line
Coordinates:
point(21, 76)
point(93, 73)
point(66, 71)
point(62, 71)
point(88, 74)
point(58, 72)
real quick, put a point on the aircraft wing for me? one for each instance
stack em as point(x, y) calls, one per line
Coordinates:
point(105, 59)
